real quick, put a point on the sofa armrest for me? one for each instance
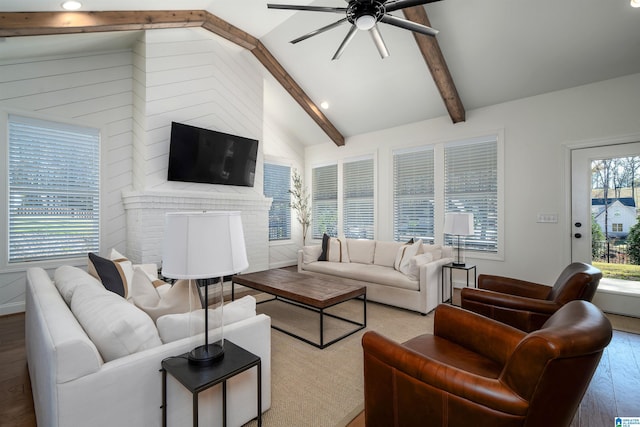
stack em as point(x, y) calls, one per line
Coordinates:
point(470, 331)
point(508, 285)
point(383, 358)
point(507, 301)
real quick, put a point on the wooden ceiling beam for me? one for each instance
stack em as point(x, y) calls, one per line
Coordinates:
point(13, 24)
point(437, 65)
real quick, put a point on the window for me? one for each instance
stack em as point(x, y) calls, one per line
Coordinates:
point(325, 201)
point(54, 190)
point(277, 181)
point(616, 228)
point(413, 195)
point(471, 185)
point(358, 199)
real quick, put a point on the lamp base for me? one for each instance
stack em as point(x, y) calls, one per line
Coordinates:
point(458, 264)
point(206, 355)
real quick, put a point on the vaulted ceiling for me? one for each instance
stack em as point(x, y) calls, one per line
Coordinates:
point(487, 52)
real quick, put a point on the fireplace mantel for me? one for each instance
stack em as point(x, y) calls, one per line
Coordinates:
point(145, 212)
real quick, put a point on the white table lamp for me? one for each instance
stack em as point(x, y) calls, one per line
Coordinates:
point(202, 246)
point(459, 224)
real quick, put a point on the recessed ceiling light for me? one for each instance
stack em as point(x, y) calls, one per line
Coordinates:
point(635, 3)
point(324, 105)
point(71, 5)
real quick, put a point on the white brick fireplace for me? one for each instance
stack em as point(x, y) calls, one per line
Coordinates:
point(146, 210)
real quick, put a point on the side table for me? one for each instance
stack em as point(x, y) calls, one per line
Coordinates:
point(451, 266)
point(197, 378)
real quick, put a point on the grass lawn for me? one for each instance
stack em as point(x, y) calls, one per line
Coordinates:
point(619, 271)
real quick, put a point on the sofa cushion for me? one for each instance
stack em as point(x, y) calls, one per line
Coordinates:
point(109, 272)
point(385, 253)
point(361, 250)
point(67, 279)
point(116, 327)
point(405, 253)
point(367, 273)
point(174, 300)
point(173, 327)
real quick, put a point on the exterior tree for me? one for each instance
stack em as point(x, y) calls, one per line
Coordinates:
point(301, 204)
point(633, 244)
point(597, 239)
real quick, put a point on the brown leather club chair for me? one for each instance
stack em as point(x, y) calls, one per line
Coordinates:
point(526, 305)
point(476, 371)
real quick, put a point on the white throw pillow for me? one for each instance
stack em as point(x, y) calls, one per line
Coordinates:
point(178, 298)
point(337, 250)
point(405, 253)
point(311, 253)
point(68, 278)
point(386, 252)
point(116, 327)
point(413, 269)
point(173, 327)
point(434, 250)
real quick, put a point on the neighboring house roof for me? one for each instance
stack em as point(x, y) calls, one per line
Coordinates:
point(626, 201)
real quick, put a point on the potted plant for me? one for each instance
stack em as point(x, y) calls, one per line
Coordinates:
point(301, 204)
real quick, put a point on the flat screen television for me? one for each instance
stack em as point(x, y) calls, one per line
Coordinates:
point(211, 157)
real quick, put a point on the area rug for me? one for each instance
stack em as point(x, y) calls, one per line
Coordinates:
point(318, 388)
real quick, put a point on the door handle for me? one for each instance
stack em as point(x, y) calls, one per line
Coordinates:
point(577, 235)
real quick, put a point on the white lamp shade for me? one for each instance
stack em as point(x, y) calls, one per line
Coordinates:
point(459, 223)
point(202, 245)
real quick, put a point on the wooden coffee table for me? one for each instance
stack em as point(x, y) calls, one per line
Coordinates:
point(316, 293)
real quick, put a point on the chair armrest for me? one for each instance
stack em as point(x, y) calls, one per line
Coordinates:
point(512, 302)
point(508, 285)
point(471, 331)
point(383, 356)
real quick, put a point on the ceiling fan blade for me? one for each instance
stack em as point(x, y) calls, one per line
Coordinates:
point(319, 30)
point(390, 6)
point(408, 25)
point(308, 8)
point(345, 42)
point(377, 39)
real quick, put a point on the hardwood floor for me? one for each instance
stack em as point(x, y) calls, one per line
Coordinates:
point(613, 391)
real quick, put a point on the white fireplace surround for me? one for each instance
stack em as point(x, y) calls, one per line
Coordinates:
point(145, 211)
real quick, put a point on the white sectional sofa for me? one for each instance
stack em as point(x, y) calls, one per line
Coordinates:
point(403, 275)
point(76, 384)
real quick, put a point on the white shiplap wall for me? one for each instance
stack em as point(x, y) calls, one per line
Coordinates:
point(90, 89)
point(185, 75)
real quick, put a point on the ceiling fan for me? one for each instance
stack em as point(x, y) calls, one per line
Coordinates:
point(364, 15)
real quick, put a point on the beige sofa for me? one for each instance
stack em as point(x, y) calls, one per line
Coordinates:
point(403, 275)
point(76, 332)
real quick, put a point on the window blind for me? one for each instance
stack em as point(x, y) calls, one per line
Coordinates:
point(277, 181)
point(324, 195)
point(413, 195)
point(54, 190)
point(358, 197)
point(471, 185)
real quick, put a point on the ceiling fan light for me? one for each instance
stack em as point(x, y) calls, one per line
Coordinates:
point(365, 22)
point(635, 3)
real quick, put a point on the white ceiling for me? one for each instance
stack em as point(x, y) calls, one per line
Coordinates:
point(496, 50)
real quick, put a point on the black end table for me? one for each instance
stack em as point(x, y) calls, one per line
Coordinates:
point(451, 266)
point(197, 379)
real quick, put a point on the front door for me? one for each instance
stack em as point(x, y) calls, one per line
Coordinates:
point(614, 295)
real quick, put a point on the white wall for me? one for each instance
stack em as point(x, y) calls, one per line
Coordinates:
point(94, 90)
point(537, 132)
point(186, 75)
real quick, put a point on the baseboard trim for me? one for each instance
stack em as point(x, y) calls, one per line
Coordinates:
point(12, 308)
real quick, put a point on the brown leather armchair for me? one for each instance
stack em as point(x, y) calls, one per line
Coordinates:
point(526, 305)
point(476, 371)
